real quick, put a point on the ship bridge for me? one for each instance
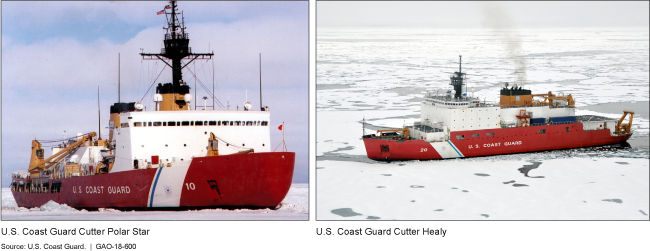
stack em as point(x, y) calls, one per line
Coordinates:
point(441, 113)
point(451, 102)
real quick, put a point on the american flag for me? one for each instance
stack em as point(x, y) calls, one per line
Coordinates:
point(160, 12)
point(167, 7)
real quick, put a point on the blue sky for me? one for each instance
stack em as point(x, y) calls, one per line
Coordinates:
point(56, 54)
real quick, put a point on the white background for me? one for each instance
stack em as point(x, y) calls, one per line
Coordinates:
point(275, 235)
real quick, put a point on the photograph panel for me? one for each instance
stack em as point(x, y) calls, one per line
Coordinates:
point(122, 115)
point(495, 112)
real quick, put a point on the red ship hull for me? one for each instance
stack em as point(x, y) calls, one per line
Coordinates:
point(242, 180)
point(504, 141)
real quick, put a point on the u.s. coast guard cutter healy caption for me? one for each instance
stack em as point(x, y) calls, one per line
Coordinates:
point(454, 125)
point(170, 157)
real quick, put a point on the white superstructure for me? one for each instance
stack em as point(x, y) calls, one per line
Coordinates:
point(442, 114)
point(178, 136)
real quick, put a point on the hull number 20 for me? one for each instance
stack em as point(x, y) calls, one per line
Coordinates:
point(423, 150)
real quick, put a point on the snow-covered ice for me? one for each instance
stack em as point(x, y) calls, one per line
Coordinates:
point(557, 189)
point(295, 206)
point(381, 74)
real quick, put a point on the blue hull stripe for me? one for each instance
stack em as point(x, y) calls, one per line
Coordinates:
point(153, 188)
point(452, 146)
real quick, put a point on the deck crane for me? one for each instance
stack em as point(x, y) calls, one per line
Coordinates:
point(38, 164)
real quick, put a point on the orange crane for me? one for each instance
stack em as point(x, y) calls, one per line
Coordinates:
point(549, 97)
point(38, 164)
point(213, 148)
point(624, 128)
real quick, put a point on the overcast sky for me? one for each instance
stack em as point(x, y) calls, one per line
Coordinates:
point(474, 14)
point(56, 54)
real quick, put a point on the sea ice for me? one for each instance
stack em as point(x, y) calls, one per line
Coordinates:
point(386, 72)
point(559, 189)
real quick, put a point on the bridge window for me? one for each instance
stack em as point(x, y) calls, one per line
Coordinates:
point(185, 123)
point(157, 123)
point(171, 123)
point(489, 134)
point(237, 123)
point(460, 136)
point(198, 123)
point(137, 124)
point(475, 135)
point(123, 125)
point(249, 123)
point(265, 123)
point(212, 122)
point(224, 123)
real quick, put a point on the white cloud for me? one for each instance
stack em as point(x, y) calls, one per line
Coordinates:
point(33, 14)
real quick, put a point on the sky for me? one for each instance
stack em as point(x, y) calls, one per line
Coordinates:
point(55, 55)
point(524, 14)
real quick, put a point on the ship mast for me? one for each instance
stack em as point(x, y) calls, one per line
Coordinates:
point(176, 49)
point(457, 79)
